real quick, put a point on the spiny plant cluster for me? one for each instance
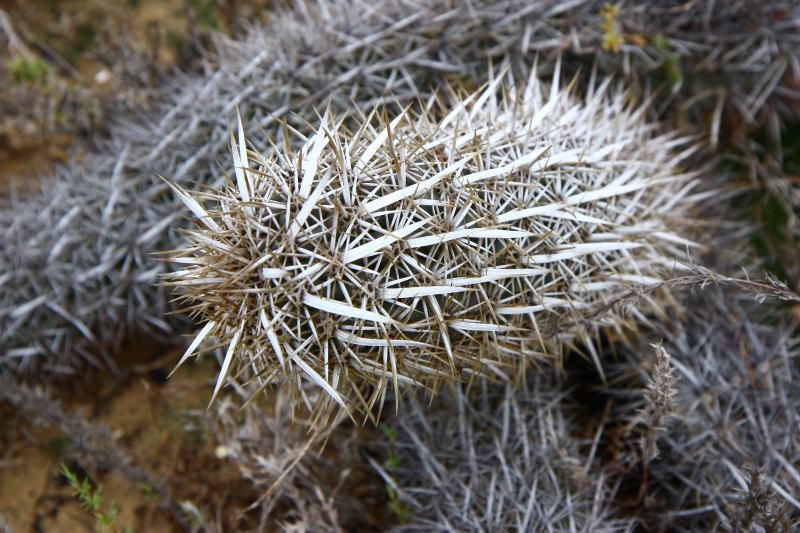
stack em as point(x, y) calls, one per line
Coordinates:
point(301, 488)
point(502, 455)
point(728, 449)
point(719, 402)
point(423, 248)
point(77, 272)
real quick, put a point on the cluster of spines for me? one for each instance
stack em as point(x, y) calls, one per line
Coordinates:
point(696, 435)
point(79, 276)
point(426, 249)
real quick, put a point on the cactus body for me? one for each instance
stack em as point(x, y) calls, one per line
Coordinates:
point(427, 248)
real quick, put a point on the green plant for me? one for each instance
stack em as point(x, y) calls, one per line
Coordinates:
point(149, 492)
point(92, 501)
point(27, 71)
point(204, 11)
point(402, 511)
point(612, 35)
point(670, 60)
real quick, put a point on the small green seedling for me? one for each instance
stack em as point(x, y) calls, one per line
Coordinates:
point(670, 58)
point(92, 501)
point(25, 71)
point(400, 509)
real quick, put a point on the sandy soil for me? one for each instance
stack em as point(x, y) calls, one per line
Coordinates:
point(158, 424)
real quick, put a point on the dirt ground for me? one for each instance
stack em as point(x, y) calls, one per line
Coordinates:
point(146, 441)
point(67, 66)
point(175, 475)
point(152, 421)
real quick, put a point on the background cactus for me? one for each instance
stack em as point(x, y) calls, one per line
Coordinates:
point(727, 445)
point(501, 455)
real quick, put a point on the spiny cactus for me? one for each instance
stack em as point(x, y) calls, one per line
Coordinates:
point(424, 249)
point(77, 272)
point(502, 458)
point(78, 276)
point(733, 417)
point(308, 482)
point(727, 440)
point(734, 60)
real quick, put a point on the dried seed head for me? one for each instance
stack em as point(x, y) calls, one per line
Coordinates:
point(420, 250)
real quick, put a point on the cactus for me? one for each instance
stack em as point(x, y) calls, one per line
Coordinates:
point(726, 438)
point(77, 273)
point(425, 249)
point(733, 421)
point(502, 458)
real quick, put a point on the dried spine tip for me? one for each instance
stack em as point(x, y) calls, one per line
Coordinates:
point(659, 404)
point(423, 249)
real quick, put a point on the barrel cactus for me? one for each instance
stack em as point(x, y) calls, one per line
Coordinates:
point(473, 237)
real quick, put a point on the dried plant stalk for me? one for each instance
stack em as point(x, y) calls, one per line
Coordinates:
point(731, 410)
point(659, 403)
